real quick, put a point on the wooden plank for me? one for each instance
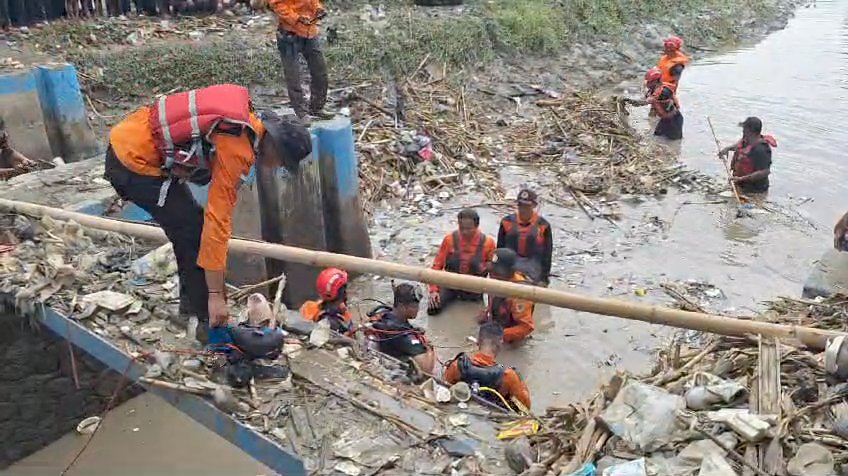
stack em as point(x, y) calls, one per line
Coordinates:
point(770, 453)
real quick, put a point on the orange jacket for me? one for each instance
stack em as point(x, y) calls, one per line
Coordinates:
point(667, 62)
point(511, 386)
point(515, 315)
point(132, 142)
point(663, 101)
point(311, 311)
point(467, 251)
point(289, 13)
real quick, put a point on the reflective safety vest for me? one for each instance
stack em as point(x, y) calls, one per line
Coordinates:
point(491, 376)
point(474, 265)
point(527, 242)
point(182, 125)
point(742, 163)
point(665, 108)
point(666, 64)
point(500, 308)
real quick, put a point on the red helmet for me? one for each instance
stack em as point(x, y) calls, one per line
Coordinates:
point(673, 43)
point(653, 74)
point(330, 282)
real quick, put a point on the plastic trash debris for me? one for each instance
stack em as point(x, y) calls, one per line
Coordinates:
point(587, 469)
point(461, 392)
point(435, 392)
point(631, 468)
point(109, 300)
point(811, 459)
point(320, 335)
point(752, 428)
point(696, 451)
point(836, 358)
point(348, 468)
point(643, 415)
point(709, 391)
point(518, 429)
point(459, 419)
point(159, 263)
point(714, 464)
point(87, 426)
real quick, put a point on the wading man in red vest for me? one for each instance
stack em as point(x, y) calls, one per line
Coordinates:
point(513, 314)
point(464, 251)
point(663, 101)
point(672, 62)
point(529, 236)
point(206, 136)
point(751, 162)
point(297, 35)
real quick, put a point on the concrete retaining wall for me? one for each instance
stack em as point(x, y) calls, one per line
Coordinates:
point(39, 401)
point(44, 113)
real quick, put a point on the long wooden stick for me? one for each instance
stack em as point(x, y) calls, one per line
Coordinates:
point(815, 338)
point(724, 161)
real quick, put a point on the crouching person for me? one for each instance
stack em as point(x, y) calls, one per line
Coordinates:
point(513, 314)
point(332, 305)
point(395, 336)
point(487, 378)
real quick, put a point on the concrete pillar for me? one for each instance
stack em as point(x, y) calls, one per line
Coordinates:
point(21, 111)
point(344, 218)
point(64, 112)
point(292, 214)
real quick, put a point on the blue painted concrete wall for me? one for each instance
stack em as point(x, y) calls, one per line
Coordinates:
point(63, 121)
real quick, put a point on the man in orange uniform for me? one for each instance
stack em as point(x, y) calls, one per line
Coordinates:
point(465, 251)
point(663, 102)
point(332, 288)
point(529, 235)
point(207, 136)
point(297, 35)
point(672, 62)
point(751, 162)
point(513, 314)
point(481, 371)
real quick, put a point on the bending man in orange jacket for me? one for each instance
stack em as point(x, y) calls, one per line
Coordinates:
point(513, 314)
point(332, 288)
point(297, 34)
point(481, 371)
point(206, 136)
point(464, 251)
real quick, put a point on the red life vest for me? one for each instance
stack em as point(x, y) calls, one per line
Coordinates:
point(473, 264)
point(665, 108)
point(527, 241)
point(182, 122)
point(742, 163)
point(182, 125)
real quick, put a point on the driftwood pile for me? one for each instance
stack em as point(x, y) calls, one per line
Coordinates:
point(742, 405)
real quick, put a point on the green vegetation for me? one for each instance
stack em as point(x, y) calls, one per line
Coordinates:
point(401, 41)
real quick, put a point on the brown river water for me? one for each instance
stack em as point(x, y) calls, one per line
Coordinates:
point(794, 80)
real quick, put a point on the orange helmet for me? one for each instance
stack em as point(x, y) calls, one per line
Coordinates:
point(330, 282)
point(653, 74)
point(673, 43)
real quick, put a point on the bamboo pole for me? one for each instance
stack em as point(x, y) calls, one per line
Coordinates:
point(814, 338)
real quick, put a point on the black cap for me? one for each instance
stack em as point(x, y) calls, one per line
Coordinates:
point(290, 136)
point(407, 293)
point(527, 197)
point(503, 261)
point(753, 124)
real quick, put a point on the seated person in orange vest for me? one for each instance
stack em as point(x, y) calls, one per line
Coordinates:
point(332, 289)
point(207, 136)
point(672, 61)
point(751, 163)
point(483, 374)
point(395, 336)
point(464, 251)
point(513, 314)
point(663, 101)
point(529, 235)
